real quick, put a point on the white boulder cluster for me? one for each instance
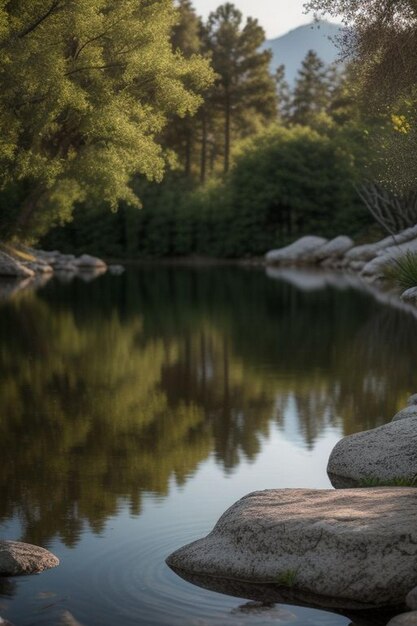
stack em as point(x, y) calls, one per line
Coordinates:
point(349, 548)
point(24, 262)
point(369, 260)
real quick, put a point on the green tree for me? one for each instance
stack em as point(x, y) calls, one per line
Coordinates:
point(182, 134)
point(244, 90)
point(283, 94)
point(382, 38)
point(87, 89)
point(381, 43)
point(311, 92)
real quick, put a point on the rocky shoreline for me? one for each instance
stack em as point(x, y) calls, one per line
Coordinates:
point(24, 262)
point(369, 261)
point(23, 268)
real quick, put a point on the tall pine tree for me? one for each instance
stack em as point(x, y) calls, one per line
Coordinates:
point(244, 89)
point(182, 134)
point(311, 92)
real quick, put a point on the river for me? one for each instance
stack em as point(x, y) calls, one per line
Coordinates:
point(135, 409)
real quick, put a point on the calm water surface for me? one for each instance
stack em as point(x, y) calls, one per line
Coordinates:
point(136, 409)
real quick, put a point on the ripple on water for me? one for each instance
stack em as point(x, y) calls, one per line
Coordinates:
point(131, 584)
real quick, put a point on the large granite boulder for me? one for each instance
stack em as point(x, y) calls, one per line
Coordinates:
point(378, 265)
point(387, 454)
point(301, 251)
point(22, 558)
point(368, 251)
point(11, 267)
point(89, 262)
point(357, 547)
point(334, 249)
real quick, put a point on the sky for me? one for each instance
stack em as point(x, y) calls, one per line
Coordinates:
point(276, 16)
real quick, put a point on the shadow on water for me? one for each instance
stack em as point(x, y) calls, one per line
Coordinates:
point(265, 598)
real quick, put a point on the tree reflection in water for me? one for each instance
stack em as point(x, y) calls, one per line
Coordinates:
point(112, 389)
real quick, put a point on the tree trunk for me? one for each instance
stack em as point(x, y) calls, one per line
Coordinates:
point(227, 125)
point(26, 213)
point(188, 148)
point(203, 165)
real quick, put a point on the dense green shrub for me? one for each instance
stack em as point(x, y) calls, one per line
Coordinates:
point(284, 183)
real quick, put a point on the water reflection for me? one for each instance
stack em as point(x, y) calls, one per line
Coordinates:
point(112, 389)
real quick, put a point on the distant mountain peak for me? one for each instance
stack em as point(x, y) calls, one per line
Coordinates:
point(291, 48)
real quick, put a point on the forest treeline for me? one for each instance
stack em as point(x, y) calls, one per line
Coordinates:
point(139, 129)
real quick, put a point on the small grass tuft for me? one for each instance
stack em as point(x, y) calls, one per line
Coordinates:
point(287, 578)
point(403, 271)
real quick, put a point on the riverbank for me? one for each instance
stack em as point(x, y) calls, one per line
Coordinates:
point(371, 262)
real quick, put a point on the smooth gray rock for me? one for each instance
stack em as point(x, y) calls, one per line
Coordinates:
point(10, 267)
point(367, 252)
point(409, 411)
point(357, 266)
point(4, 622)
point(411, 599)
point(39, 267)
point(405, 619)
point(412, 399)
point(334, 249)
point(89, 262)
point(378, 265)
point(301, 251)
point(18, 558)
point(387, 453)
point(410, 295)
point(356, 546)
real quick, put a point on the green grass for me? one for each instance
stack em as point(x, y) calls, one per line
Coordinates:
point(404, 271)
point(393, 482)
point(287, 578)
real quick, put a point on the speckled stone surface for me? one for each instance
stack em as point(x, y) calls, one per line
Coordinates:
point(385, 453)
point(356, 545)
point(22, 558)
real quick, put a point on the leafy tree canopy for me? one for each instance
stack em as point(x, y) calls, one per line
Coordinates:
point(382, 35)
point(87, 87)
